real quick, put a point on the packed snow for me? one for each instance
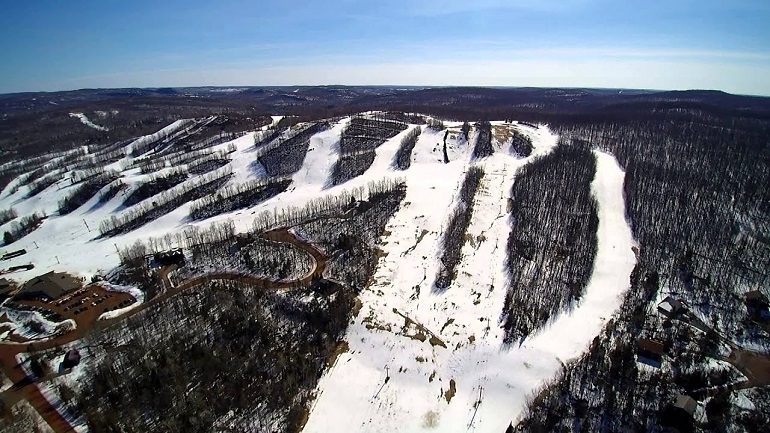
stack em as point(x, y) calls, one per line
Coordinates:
point(390, 380)
point(418, 359)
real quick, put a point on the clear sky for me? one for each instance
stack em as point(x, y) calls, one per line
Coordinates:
point(671, 44)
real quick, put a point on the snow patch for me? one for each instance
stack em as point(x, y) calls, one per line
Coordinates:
point(32, 325)
point(88, 122)
point(131, 290)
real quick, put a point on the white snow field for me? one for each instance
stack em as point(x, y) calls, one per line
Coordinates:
point(86, 121)
point(389, 380)
point(408, 344)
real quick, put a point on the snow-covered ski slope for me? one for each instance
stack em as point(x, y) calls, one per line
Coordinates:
point(418, 359)
point(394, 378)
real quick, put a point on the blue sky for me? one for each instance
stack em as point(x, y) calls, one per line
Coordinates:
point(672, 44)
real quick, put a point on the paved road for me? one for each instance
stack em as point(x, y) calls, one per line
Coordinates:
point(755, 366)
point(28, 389)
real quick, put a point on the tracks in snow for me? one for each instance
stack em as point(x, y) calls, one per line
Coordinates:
point(355, 395)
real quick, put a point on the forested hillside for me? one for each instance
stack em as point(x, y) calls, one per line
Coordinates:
point(552, 243)
point(453, 260)
point(697, 209)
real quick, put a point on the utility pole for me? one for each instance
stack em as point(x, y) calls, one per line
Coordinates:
point(476, 407)
point(36, 247)
point(88, 228)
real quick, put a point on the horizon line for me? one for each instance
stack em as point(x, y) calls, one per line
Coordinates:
point(410, 86)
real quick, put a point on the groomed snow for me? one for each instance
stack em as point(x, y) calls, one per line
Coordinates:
point(467, 348)
point(390, 381)
point(244, 169)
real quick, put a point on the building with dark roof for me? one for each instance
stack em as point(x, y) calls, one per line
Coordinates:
point(678, 417)
point(670, 307)
point(757, 305)
point(650, 352)
point(49, 286)
point(168, 258)
point(6, 286)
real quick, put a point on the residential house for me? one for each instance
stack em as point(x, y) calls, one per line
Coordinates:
point(670, 307)
point(650, 352)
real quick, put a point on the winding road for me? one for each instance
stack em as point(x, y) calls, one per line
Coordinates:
point(25, 387)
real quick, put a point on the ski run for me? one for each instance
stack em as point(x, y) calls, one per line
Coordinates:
point(417, 359)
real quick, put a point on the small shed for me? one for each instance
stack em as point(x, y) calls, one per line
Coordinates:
point(686, 404)
point(650, 352)
point(670, 307)
point(678, 417)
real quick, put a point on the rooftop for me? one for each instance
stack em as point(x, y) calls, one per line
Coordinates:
point(5, 286)
point(651, 345)
point(51, 285)
point(756, 295)
point(686, 403)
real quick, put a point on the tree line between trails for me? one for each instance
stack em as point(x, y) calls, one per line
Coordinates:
point(156, 184)
point(285, 156)
point(164, 202)
point(83, 192)
point(318, 208)
point(358, 143)
point(7, 215)
point(696, 208)
point(237, 197)
point(453, 236)
point(552, 243)
point(403, 158)
point(483, 147)
point(23, 227)
point(521, 145)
